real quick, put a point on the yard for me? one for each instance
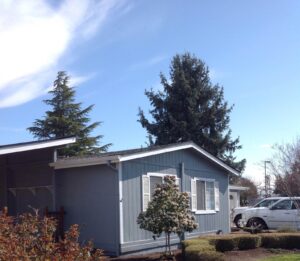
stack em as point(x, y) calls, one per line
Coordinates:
point(236, 247)
point(259, 254)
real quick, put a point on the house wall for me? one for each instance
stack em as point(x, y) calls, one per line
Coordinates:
point(89, 196)
point(169, 163)
point(26, 180)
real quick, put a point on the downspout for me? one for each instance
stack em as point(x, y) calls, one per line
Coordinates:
point(120, 236)
point(54, 181)
point(182, 178)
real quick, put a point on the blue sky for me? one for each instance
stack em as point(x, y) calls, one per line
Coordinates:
point(114, 50)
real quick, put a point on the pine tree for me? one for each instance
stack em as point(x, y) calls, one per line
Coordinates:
point(190, 107)
point(67, 118)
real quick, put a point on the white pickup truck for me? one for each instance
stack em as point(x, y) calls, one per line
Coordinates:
point(237, 212)
point(285, 213)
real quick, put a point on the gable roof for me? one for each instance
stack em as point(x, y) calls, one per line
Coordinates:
point(126, 155)
point(35, 145)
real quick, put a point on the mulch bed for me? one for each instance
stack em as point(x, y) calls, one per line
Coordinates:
point(247, 255)
point(148, 257)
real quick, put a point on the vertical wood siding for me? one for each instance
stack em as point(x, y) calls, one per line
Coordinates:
point(169, 163)
point(22, 170)
point(89, 196)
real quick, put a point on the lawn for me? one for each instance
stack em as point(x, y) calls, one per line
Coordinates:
point(286, 257)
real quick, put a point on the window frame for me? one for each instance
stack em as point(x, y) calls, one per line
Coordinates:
point(155, 174)
point(206, 211)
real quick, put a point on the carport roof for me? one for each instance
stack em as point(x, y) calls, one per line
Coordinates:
point(35, 145)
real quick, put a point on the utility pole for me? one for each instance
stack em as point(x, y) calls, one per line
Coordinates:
point(267, 180)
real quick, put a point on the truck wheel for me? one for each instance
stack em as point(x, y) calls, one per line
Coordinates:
point(237, 221)
point(256, 224)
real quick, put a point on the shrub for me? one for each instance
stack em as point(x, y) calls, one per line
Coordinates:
point(286, 230)
point(293, 241)
point(280, 240)
point(274, 241)
point(194, 246)
point(248, 242)
point(30, 237)
point(225, 244)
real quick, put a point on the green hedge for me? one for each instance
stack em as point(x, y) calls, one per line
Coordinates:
point(209, 248)
point(225, 244)
point(285, 241)
point(248, 242)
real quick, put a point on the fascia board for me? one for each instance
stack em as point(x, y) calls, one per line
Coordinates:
point(180, 147)
point(77, 163)
point(36, 146)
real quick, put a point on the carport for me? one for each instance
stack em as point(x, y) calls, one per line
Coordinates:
point(26, 179)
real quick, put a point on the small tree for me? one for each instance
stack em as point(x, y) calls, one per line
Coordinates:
point(168, 212)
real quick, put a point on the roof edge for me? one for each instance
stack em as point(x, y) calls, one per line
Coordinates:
point(21, 147)
point(180, 146)
point(81, 162)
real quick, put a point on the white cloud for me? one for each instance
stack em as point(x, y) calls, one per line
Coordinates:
point(216, 75)
point(255, 172)
point(148, 63)
point(266, 146)
point(34, 36)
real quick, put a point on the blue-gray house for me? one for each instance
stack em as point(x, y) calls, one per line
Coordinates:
point(106, 193)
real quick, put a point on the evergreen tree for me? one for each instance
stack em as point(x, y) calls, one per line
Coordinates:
point(190, 107)
point(67, 118)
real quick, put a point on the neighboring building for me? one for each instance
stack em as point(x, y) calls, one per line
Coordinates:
point(104, 194)
point(235, 195)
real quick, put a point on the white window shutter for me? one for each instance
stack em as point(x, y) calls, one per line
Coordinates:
point(145, 191)
point(217, 196)
point(193, 195)
point(177, 182)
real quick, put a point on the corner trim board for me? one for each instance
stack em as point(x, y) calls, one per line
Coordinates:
point(121, 202)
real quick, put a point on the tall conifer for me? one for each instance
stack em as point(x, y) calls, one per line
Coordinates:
point(190, 107)
point(67, 118)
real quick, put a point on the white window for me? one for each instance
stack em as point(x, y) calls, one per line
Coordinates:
point(205, 196)
point(149, 183)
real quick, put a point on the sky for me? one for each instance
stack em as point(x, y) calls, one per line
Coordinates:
point(115, 49)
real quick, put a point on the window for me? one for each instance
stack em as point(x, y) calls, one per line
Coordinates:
point(283, 205)
point(296, 204)
point(149, 183)
point(204, 196)
point(266, 203)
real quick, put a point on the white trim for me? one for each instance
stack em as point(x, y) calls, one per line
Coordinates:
point(228, 205)
point(161, 175)
point(203, 212)
point(121, 202)
point(180, 147)
point(208, 211)
point(157, 174)
point(238, 188)
point(36, 145)
point(72, 163)
point(149, 175)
